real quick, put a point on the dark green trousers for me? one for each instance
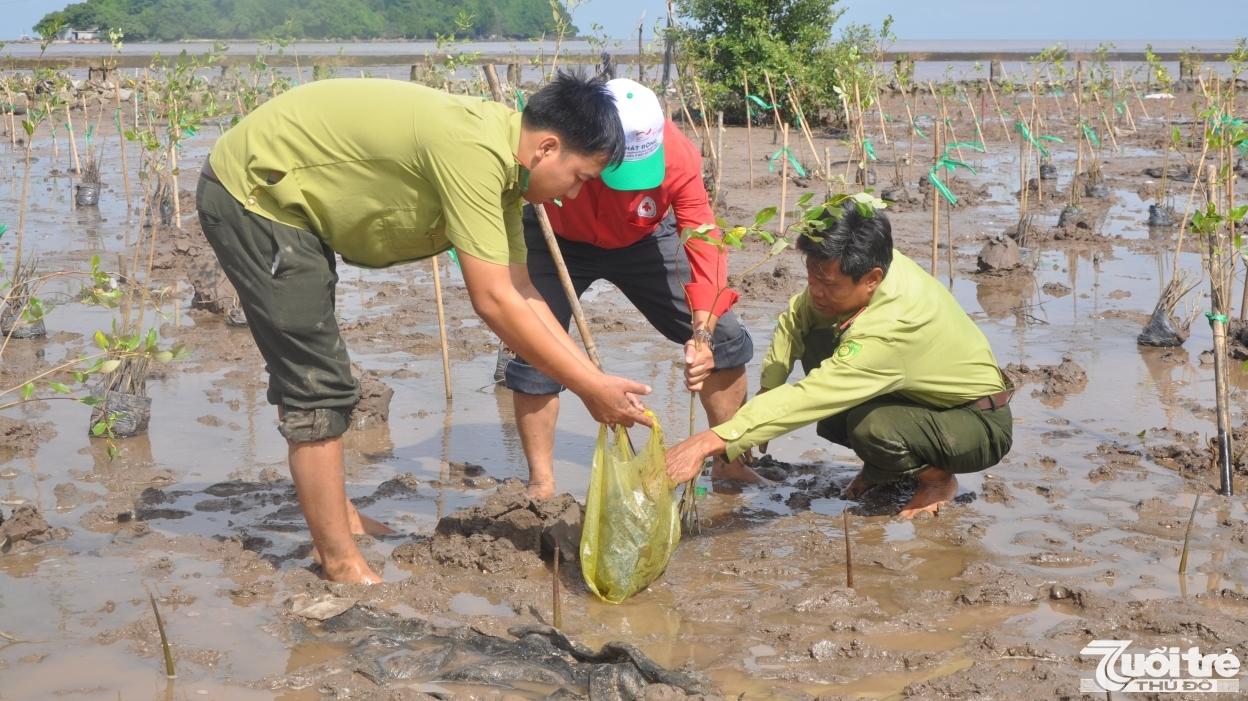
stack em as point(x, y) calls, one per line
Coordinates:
point(285, 279)
point(896, 437)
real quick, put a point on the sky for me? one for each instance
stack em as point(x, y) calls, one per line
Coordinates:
point(914, 19)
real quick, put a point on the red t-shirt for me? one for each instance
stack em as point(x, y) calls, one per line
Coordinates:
point(609, 219)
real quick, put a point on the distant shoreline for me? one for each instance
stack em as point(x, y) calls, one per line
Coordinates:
point(364, 53)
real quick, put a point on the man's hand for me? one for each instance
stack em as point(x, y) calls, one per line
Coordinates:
point(685, 459)
point(699, 362)
point(614, 400)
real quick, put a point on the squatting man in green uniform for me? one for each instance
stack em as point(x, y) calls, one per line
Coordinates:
point(383, 172)
point(895, 371)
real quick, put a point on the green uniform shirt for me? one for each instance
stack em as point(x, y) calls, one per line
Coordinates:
point(912, 338)
point(384, 171)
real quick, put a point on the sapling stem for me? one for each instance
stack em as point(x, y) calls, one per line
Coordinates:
point(1187, 535)
point(164, 639)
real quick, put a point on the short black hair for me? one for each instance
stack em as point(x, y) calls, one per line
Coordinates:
point(860, 241)
point(582, 113)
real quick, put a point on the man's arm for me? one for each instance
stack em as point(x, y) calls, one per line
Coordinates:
point(610, 399)
point(524, 285)
point(787, 342)
point(862, 368)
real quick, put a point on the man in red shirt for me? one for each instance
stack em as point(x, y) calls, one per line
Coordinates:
point(625, 227)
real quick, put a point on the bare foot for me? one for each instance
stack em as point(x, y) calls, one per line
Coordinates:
point(936, 487)
point(856, 487)
point(363, 525)
point(540, 491)
point(350, 572)
point(738, 471)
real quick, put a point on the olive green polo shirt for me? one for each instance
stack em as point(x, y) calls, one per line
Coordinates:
point(912, 338)
point(384, 171)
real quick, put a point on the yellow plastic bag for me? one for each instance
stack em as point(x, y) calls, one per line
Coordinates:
point(632, 523)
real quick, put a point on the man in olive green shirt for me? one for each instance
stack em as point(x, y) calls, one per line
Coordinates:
point(382, 172)
point(896, 371)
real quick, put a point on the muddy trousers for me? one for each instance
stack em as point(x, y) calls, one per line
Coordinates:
point(285, 279)
point(895, 437)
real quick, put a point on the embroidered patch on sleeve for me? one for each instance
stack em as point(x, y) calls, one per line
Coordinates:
point(848, 349)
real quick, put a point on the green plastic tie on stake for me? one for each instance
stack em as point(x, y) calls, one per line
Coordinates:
point(1215, 318)
point(3, 228)
point(950, 164)
point(1090, 134)
point(519, 99)
point(760, 102)
point(1026, 134)
point(917, 130)
point(1120, 107)
point(784, 151)
point(699, 491)
point(869, 149)
point(454, 258)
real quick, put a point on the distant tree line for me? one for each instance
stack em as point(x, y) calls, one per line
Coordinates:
point(169, 20)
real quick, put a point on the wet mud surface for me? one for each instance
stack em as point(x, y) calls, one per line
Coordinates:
point(1075, 536)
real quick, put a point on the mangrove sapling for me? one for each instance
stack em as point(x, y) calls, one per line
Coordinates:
point(21, 313)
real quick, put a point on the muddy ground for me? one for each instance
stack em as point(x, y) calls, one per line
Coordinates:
point(1075, 536)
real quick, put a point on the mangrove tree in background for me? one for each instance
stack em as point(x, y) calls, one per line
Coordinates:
point(169, 20)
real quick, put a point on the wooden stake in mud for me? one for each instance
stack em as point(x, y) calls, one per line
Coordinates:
point(491, 77)
point(849, 552)
point(557, 256)
point(936, 135)
point(801, 116)
point(73, 142)
point(442, 340)
point(1005, 127)
point(775, 107)
point(784, 176)
point(1221, 268)
point(749, 128)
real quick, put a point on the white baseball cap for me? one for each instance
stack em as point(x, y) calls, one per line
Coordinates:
point(642, 117)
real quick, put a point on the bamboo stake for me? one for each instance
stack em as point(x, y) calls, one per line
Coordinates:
point(8, 99)
point(569, 289)
point(944, 117)
point(775, 108)
point(73, 143)
point(913, 132)
point(797, 105)
point(1005, 127)
point(442, 337)
point(975, 118)
point(1138, 99)
point(784, 177)
point(1220, 267)
point(879, 103)
point(719, 162)
point(749, 128)
point(936, 134)
point(121, 141)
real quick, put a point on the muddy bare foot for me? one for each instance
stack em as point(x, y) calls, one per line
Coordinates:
point(738, 471)
point(350, 572)
point(856, 487)
point(540, 491)
point(935, 488)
